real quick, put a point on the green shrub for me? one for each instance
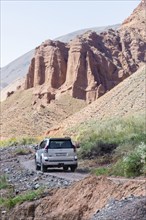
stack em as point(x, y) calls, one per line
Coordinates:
point(99, 138)
point(123, 140)
point(134, 164)
point(93, 148)
point(123, 150)
point(29, 196)
point(117, 169)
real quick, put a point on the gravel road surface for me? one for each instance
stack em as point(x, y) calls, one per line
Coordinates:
point(55, 172)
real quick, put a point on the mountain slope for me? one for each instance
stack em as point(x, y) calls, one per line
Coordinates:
point(66, 38)
point(18, 68)
point(127, 98)
point(89, 65)
point(20, 118)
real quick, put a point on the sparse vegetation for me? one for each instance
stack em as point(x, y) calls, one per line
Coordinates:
point(29, 196)
point(123, 139)
point(3, 182)
point(19, 141)
point(103, 137)
point(101, 171)
point(21, 151)
point(134, 164)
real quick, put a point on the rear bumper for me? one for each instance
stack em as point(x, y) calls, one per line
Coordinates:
point(60, 163)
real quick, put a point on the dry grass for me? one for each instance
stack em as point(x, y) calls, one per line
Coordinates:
point(20, 118)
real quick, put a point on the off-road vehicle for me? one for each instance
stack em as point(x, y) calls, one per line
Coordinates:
point(56, 152)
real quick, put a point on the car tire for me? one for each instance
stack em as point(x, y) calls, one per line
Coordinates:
point(65, 168)
point(43, 167)
point(73, 168)
point(37, 167)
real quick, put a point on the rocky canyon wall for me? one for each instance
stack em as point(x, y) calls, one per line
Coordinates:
point(91, 64)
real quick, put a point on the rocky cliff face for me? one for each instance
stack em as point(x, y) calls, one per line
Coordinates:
point(91, 64)
point(137, 20)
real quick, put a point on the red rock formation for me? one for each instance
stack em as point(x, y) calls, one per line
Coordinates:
point(91, 64)
point(48, 66)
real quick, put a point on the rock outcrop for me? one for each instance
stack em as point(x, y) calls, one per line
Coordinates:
point(91, 64)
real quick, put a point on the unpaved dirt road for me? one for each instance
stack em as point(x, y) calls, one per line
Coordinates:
point(21, 173)
point(29, 164)
point(17, 163)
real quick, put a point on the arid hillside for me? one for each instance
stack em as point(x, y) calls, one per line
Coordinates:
point(126, 99)
point(64, 78)
point(19, 117)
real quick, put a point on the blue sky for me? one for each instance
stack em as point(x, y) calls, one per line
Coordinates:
point(26, 24)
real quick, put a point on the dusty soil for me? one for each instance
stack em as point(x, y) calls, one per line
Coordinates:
point(20, 118)
point(125, 99)
point(68, 197)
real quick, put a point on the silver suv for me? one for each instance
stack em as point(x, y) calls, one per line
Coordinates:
point(56, 152)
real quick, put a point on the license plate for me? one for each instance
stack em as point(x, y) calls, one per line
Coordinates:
point(60, 154)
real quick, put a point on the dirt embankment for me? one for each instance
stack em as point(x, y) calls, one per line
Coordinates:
point(78, 201)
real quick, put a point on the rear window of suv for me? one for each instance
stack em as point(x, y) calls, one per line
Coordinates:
point(59, 144)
